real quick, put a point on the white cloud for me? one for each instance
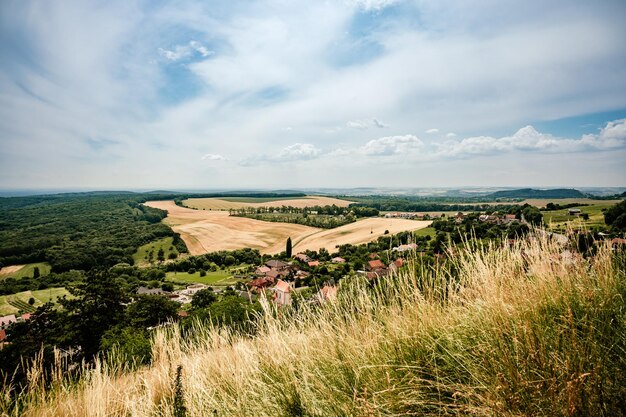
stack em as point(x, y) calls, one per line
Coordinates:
point(373, 4)
point(431, 131)
point(358, 124)
point(366, 124)
point(184, 51)
point(451, 135)
point(392, 145)
point(612, 136)
point(295, 152)
point(214, 157)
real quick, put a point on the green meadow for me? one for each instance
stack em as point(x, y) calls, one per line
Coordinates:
point(18, 303)
point(142, 256)
point(28, 271)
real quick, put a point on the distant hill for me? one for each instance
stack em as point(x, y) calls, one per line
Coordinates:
point(532, 193)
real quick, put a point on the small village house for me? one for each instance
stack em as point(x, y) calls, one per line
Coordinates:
point(282, 293)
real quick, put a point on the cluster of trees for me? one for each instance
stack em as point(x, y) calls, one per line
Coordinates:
point(557, 206)
point(78, 231)
point(616, 217)
point(326, 217)
point(214, 260)
point(416, 204)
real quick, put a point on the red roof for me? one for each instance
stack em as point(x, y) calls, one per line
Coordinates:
point(376, 264)
point(182, 314)
point(26, 316)
point(282, 286)
point(3, 335)
point(399, 262)
point(314, 263)
point(618, 241)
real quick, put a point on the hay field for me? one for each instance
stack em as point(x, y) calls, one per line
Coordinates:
point(362, 231)
point(6, 270)
point(208, 231)
point(237, 203)
point(212, 230)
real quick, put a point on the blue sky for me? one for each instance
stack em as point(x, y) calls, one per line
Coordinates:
point(286, 94)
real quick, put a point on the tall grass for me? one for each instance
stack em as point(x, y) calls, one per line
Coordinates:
point(511, 331)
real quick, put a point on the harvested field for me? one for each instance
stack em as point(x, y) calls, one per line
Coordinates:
point(207, 231)
point(6, 270)
point(237, 203)
point(357, 233)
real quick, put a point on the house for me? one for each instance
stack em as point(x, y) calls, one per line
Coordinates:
point(275, 274)
point(301, 274)
point(262, 270)
point(374, 265)
point(404, 248)
point(313, 264)
point(302, 257)
point(327, 293)
point(338, 260)
point(150, 291)
point(6, 321)
point(26, 316)
point(183, 314)
point(260, 283)
point(276, 264)
point(3, 335)
point(193, 289)
point(282, 293)
point(573, 212)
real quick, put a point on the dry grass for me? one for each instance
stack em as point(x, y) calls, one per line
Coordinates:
point(362, 231)
point(508, 331)
point(207, 231)
point(221, 204)
point(6, 270)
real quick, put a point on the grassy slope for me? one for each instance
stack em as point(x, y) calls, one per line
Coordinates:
point(27, 271)
point(141, 256)
point(211, 278)
point(520, 332)
point(559, 219)
point(9, 303)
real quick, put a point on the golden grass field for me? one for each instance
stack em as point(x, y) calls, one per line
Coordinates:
point(10, 269)
point(362, 231)
point(226, 204)
point(212, 230)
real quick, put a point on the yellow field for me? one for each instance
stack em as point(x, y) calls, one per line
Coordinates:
point(207, 231)
point(10, 269)
point(221, 204)
point(357, 233)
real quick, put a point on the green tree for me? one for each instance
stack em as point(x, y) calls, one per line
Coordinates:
point(31, 301)
point(36, 272)
point(161, 255)
point(288, 249)
point(96, 307)
point(203, 298)
point(132, 344)
point(151, 310)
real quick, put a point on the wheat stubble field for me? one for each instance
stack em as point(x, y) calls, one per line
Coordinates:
point(212, 230)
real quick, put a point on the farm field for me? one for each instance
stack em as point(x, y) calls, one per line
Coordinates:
point(21, 271)
point(242, 202)
point(207, 231)
point(12, 304)
point(214, 278)
point(541, 202)
point(560, 219)
point(362, 231)
point(141, 257)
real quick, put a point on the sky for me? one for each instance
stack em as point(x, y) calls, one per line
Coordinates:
point(298, 94)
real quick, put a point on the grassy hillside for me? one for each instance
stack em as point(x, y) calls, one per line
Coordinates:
point(18, 303)
point(515, 331)
point(27, 271)
point(142, 256)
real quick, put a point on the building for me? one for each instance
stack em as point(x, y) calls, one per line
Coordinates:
point(191, 290)
point(313, 264)
point(404, 248)
point(573, 212)
point(338, 260)
point(276, 264)
point(150, 291)
point(262, 270)
point(282, 293)
point(6, 321)
point(302, 257)
point(376, 264)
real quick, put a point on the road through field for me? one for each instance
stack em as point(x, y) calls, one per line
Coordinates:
point(211, 230)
